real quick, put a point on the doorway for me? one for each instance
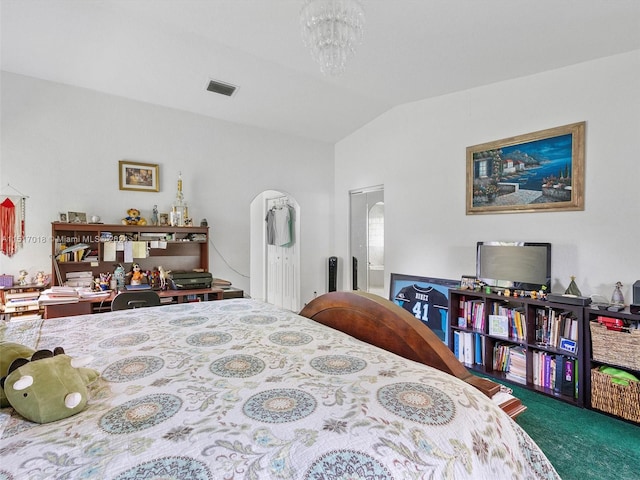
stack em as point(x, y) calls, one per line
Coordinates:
point(275, 267)
point(367, 240)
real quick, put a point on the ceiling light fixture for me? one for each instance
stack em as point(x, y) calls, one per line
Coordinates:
point(332, 29)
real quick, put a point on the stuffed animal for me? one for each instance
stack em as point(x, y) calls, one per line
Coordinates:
point(137, 275)
point(133, 218)
point(9, 352)
point(49, 387)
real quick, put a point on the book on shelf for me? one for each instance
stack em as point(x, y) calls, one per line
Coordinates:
point(499, 325)
point(22, 295)
point(568, 381)
point(25, 317)
point(468, 347)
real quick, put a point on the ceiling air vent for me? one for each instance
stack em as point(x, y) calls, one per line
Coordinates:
point(221, 88)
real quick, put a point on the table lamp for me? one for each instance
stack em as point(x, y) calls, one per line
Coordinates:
point(72, 248)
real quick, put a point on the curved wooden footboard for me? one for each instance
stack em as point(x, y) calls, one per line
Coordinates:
point(382, 323)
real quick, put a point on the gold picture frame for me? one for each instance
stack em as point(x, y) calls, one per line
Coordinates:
point(143, 177)
point(537, 172)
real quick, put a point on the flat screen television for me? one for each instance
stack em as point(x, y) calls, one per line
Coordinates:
point(517, 265)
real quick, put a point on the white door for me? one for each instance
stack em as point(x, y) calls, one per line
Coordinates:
point(282, 277)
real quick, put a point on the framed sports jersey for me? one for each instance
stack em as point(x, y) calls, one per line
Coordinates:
point(426, 298)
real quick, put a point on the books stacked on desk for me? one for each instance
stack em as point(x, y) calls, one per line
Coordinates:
point(80, 279)
point(55, 295)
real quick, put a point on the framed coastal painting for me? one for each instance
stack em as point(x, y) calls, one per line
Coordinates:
point(536, 172)
point(425, 298)
point(143, 177)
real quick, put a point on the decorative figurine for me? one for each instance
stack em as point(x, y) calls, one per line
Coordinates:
point(41, 279)
point(119, 276)
point(573, 289)
point(164, 276)
point(617, 298)
point(22, 279)
point(154, 215)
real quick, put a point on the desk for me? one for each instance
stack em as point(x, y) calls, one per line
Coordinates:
point(102, 304)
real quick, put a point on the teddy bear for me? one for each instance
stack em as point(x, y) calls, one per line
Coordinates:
point(47, 387)
point(133, 218)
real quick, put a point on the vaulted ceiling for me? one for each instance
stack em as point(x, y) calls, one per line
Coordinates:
point(165, 52)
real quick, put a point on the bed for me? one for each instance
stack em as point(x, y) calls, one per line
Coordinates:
point(240, 389)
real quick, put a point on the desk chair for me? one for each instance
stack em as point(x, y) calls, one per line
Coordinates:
point(135, 299)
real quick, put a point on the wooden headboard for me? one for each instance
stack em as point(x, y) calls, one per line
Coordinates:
point(382, 323)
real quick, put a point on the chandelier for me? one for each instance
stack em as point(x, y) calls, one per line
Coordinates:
point(332, 29)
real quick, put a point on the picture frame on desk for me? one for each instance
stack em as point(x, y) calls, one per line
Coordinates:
point(539, 171)
point(142, 177)
point(75, 217)
point(468, 282)
point(425, 298)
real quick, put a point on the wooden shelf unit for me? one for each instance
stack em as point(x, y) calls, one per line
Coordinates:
point(530, 310)
point(180, 252)
point(25, 307)
point(609, 355)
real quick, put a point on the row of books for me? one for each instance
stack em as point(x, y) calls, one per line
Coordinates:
point(553, 325)
point(82, 255)
point(511, 320)
point(471, 314)
point(511, 359)
point(551, 371)
point(556, 372)
point(469, 347)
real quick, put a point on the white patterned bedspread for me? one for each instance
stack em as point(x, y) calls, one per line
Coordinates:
point(241, 389)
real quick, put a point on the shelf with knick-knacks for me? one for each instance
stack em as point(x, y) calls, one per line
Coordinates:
point(100, 248)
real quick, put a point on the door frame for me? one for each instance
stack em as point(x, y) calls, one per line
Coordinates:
point(258, 272)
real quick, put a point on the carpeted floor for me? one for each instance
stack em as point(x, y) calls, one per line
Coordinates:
point(581, 444)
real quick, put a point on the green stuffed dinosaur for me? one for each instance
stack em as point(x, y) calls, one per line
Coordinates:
point(47, 387)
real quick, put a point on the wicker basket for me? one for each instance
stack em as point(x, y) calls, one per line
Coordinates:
point(620, 400)
point(617, 348)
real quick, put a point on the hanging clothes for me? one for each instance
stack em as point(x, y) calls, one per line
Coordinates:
point(271, 227)
point(282, 226)
point(280, 221)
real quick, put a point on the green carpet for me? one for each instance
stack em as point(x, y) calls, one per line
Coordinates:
point(581, 444)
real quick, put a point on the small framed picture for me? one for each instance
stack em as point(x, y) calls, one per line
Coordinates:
point(76, 217)
point(143, 177)
point(164, 219)
point(63, 217)
point(569, 345)
point(468, 282)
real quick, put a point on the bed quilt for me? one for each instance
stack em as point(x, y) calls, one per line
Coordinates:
point(240, 389)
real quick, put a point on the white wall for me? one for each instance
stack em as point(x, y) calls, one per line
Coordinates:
point(418, 152)
point(61, 146)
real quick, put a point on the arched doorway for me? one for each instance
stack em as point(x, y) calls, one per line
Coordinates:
point(274, 265)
